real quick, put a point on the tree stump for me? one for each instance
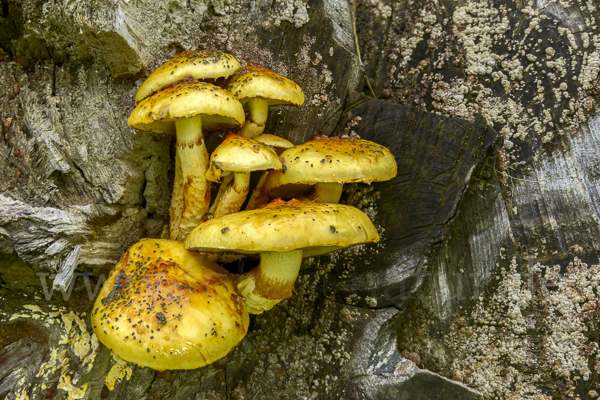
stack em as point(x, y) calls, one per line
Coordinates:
point(485, 283)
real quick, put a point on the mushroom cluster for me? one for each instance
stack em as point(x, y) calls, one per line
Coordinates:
point(165, 304)
point(181, 98)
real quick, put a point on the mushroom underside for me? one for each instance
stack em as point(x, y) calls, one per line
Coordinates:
point(320, 192)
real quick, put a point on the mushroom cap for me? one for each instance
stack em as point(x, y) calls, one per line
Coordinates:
point(254, 81)
point(157, 113)
point(241, 154)
point(163, 307)
point(199, 64)
point(332, 160)
point(283, 226)
point(276, 142)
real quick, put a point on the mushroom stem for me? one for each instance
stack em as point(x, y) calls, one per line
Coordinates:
point(193, 156)
point(326, 192)
point(224, 183)
point(258, 196)
point(232, 194)
point(272, 281)
point(176, 210)
point(258, 110)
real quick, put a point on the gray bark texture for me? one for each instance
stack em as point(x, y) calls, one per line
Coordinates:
point(485, 283)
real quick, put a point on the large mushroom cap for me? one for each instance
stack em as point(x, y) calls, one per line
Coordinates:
point(240, 154)
point(199, 64)
point(331, 160)
point(282, 226)
point(164, 308)
point(185, 99)
point(255, 81)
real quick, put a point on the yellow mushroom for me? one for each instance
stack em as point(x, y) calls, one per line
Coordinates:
point(233, 161)
point(209, 66)
point(319, 168)
point(282, 233)
point(165, 308)
point(257, 88)
point(187, 109)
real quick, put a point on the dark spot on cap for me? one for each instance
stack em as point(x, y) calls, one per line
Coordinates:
point(161, 318)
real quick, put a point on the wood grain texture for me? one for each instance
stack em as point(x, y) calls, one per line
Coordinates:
point(72, 165)
point(436, 157)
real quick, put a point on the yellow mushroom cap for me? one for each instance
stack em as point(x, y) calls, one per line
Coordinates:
point(255, 81)
point(157, 113)
point(241, 154)
point(332, 160)
point(283, 226)
point(278, 143)
point(199, 64)
point(164, 308)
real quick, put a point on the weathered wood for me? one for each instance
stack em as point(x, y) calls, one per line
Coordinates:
point(493, 311)
point(75, 175)
point(66, 141)
point(529, 68)
point(436, 157)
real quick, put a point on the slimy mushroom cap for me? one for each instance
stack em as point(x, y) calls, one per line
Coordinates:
point(157, 113)
point(281, 226)
point(239, 154)
point(255, 81)
point(163, 307)
point(199, 64)
point(282, 232)
point(325, 160)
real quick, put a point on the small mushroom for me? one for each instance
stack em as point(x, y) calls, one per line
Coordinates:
point(281, 233)
point(257, 88)
point(319, 168)
point(211, 66)
point(187, 109)
point(279, 144)
point(165, 308)
point(258, 196)
point(234, 159)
